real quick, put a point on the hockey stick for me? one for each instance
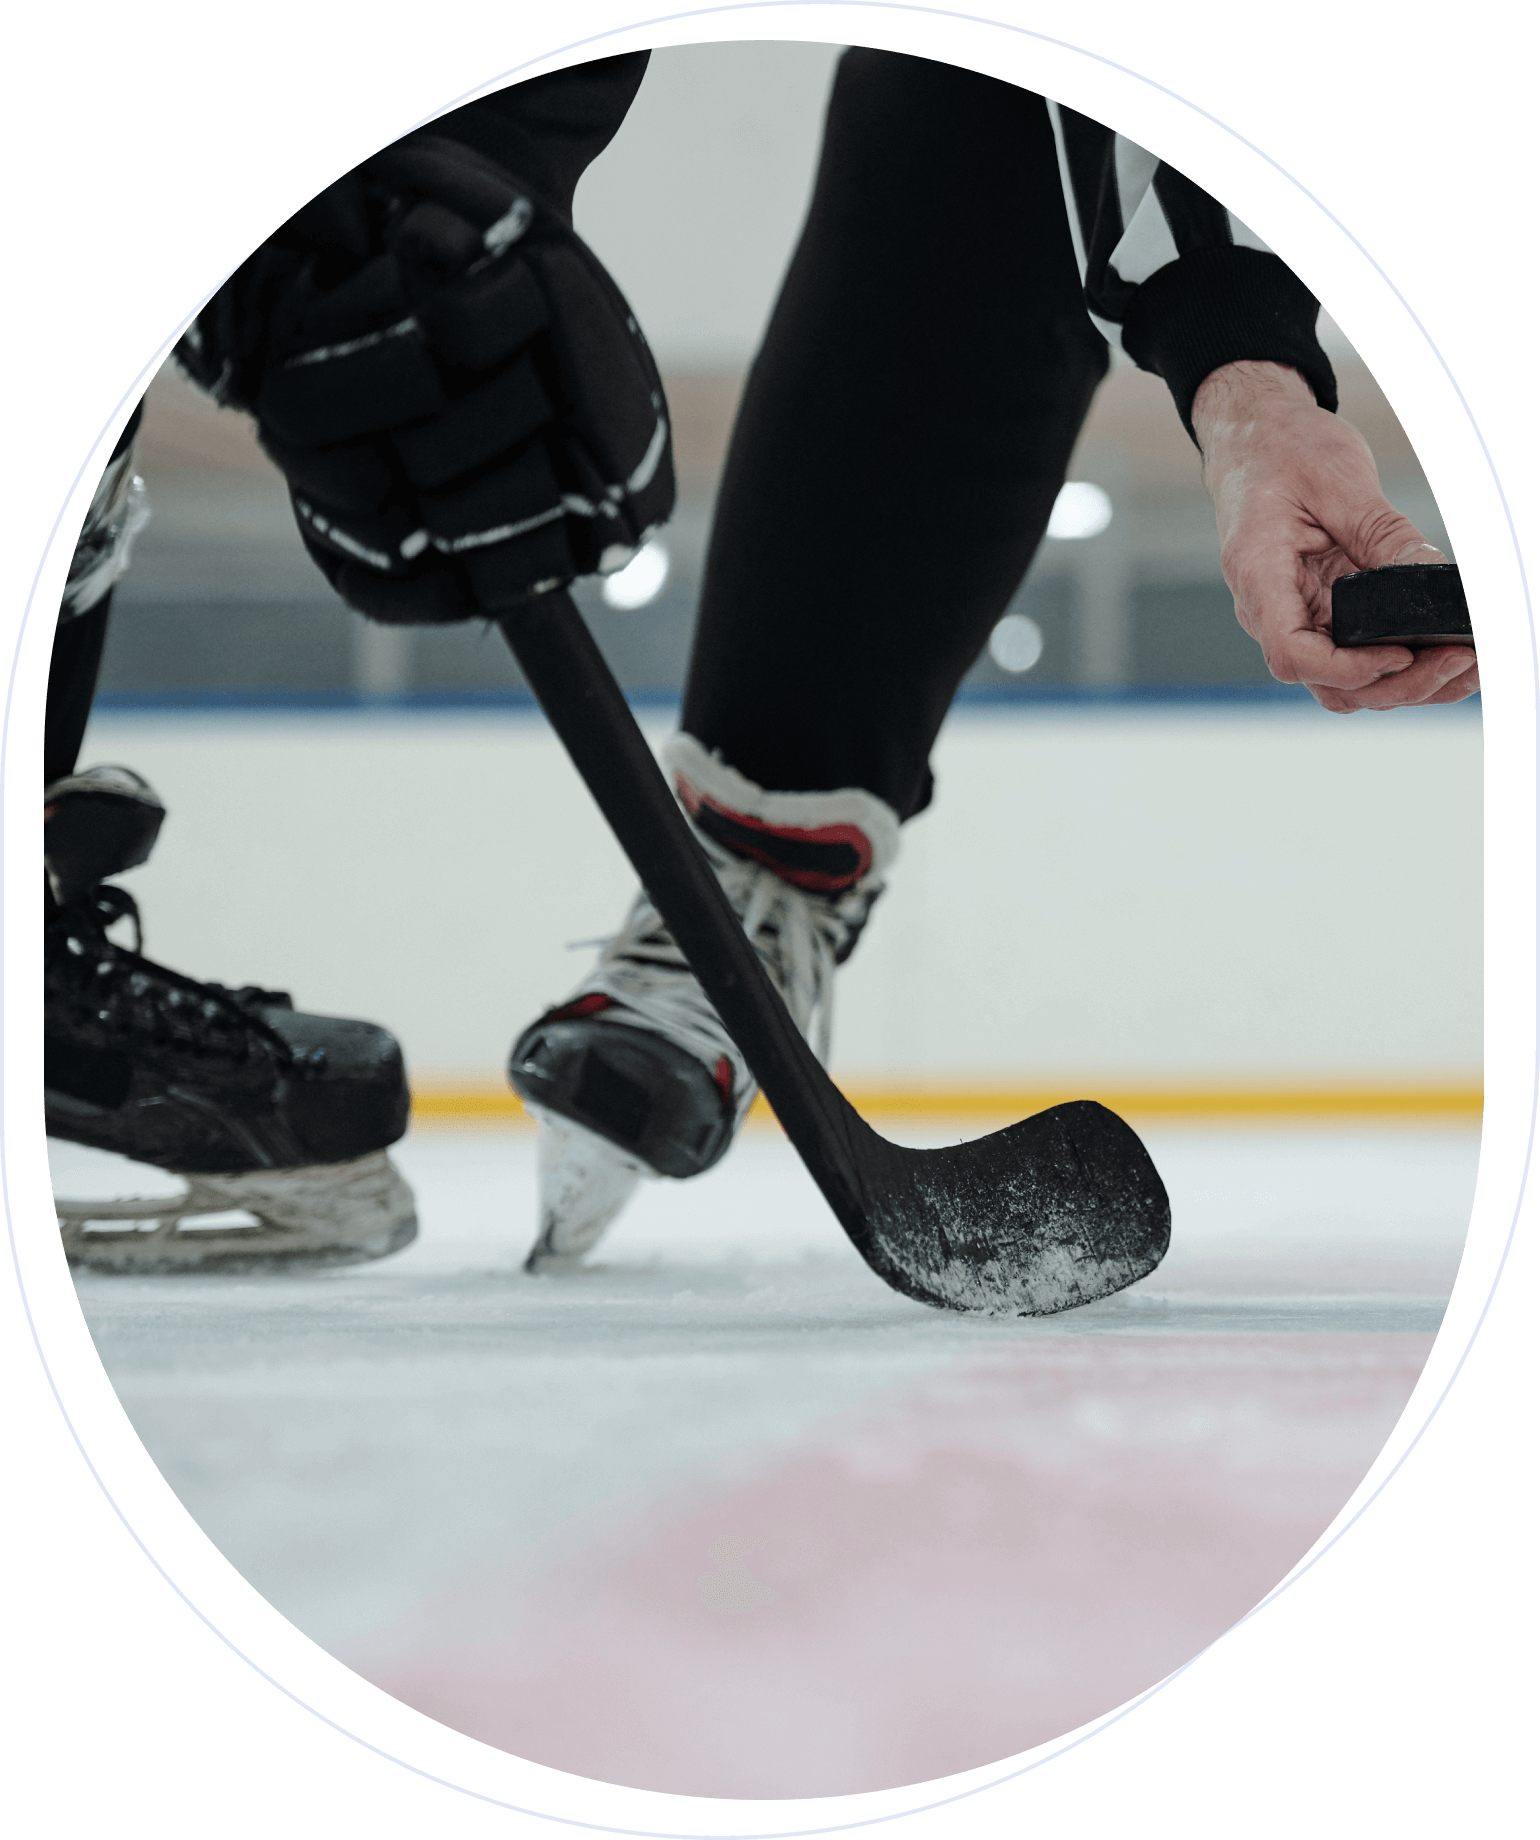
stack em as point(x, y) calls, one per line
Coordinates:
point(1053, 1212)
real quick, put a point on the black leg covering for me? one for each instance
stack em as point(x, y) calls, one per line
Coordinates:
point(76, 663)
point(904, 432)
point(72, 674)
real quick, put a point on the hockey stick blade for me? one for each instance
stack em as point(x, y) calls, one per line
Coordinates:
point(1053, 1212)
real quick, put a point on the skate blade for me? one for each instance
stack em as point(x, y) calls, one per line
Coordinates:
point(585, 1182)
point(327, 1214)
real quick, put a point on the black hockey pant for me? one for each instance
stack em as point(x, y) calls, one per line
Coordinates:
point(904, 431)
point(75, 663)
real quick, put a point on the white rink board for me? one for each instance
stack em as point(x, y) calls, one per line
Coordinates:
point(1179, 893)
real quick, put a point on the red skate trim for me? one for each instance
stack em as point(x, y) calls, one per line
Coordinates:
point(590, 1005)
point(828, 836)
point(722, 1073)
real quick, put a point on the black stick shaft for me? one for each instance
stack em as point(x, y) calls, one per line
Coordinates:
point(584, 704)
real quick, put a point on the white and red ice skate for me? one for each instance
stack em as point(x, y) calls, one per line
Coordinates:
point(632, 1074)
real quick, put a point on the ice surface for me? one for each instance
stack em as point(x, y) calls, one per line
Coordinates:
point(722, 1515)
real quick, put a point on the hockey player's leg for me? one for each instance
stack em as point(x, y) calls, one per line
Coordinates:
point(259, 1108)
point(905, 430)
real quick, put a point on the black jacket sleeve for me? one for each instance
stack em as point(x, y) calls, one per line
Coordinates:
point(1172, 277)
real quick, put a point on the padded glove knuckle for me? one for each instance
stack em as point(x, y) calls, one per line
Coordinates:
point(457, 393)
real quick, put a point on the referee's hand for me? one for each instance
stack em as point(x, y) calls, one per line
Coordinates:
point(1298, 502)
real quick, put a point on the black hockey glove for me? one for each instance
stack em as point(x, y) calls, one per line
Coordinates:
point(456, 391)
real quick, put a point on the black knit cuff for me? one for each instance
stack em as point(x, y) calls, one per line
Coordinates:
point(1218, 306)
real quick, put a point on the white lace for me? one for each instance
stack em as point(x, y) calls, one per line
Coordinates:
point(797, 935)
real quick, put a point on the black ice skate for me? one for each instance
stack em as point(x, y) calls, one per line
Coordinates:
point(633, 1073)
point(257, 1107)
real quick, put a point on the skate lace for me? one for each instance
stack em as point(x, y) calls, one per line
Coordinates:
point(799, 938)
point(105, 985)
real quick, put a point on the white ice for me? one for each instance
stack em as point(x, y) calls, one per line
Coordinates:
point(395, 1453)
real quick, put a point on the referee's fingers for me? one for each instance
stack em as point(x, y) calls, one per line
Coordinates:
point(1370, 530)
point(1307, 656)
point(1438, 676)
point(1270, 603)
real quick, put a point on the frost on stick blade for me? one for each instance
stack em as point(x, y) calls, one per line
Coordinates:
point(1055, 1212)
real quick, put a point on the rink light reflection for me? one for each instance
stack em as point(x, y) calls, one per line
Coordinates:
point(1016, 643)
point(1081, 510)
point(640, 581)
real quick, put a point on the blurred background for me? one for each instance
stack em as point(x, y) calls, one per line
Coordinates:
point(1148, 864)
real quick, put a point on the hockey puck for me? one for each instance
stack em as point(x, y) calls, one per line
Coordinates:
point(1418, 605)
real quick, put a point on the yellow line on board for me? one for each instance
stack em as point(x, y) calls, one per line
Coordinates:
point(453, 1102)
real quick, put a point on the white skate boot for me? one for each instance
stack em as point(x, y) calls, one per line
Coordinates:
point(634, 1075)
